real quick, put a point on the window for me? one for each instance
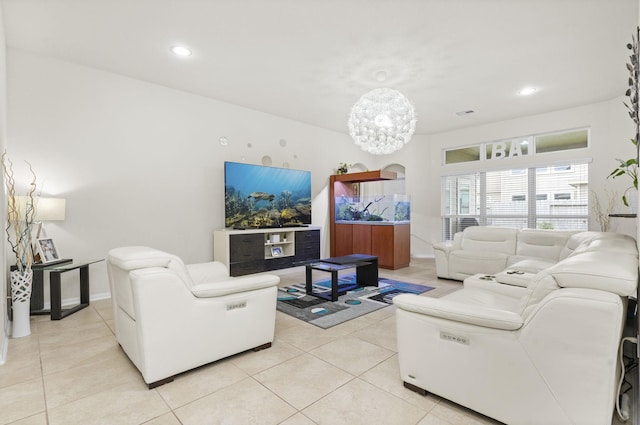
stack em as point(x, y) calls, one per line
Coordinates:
point(562, 141)
point(518, 199)
point(519, 146)
point(453, 156)
point(561, 196)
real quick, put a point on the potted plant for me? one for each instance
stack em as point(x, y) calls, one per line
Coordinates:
point(629, 167)
point(343, 168)
point(20, 219)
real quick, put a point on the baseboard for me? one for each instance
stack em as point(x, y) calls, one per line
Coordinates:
point(76, 300)
point(431, 256)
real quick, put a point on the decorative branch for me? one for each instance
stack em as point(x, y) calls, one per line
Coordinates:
point(602, 217)
point(20, 217)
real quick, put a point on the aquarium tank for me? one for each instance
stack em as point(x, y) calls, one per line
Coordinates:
point(257, 196)
point(376, 208)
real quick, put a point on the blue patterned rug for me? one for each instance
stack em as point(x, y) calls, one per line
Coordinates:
point(293, 300)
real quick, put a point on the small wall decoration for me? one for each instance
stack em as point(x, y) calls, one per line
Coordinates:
point(276, 251)
point(48, 250)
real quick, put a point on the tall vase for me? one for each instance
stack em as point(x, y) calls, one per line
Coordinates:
point(21, 302)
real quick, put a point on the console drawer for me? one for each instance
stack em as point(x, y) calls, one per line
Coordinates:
point(246, 267)
point(246, 247)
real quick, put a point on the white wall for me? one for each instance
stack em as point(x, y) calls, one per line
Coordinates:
point(142, 164)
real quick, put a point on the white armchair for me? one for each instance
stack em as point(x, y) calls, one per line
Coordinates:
point(171, 317)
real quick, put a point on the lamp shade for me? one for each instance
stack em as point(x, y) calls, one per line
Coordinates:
point(50, 209)
point(47, 209)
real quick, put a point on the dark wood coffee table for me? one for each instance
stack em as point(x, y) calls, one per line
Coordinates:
point(366, 273)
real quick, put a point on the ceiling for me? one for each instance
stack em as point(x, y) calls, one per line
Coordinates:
point(310, 60)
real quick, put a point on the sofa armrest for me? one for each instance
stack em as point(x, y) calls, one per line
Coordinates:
point(446, 247)
point(441, 252)
point(459, 312)
point(233, 285)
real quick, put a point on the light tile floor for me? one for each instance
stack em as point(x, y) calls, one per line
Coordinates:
point(73, 372)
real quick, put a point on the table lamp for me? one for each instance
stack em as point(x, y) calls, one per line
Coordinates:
point(48, 209)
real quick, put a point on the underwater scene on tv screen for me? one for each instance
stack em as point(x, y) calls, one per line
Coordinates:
point(260, 196)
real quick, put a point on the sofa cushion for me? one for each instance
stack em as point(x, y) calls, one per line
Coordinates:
point(178, 267)
point(208, 272)
point(466, 263)
point(489, 239)
point(541, 243)
point(578, 242)
point(530, 265)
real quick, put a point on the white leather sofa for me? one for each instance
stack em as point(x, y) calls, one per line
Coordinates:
point(490, 250)
point(544, 353)
point(171, 317)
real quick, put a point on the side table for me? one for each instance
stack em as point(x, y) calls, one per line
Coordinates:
point(55, 288)
point(37, 286)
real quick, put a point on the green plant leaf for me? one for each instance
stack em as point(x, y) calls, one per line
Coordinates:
point(624, 200)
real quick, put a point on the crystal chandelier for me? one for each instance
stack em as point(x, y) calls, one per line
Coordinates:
point(382, 121)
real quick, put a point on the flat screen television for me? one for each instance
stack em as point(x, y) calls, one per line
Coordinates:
point(257, 196)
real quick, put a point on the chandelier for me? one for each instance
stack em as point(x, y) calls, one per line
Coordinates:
point(382, 121)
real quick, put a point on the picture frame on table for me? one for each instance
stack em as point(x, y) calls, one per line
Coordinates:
point(47, 250)
point(276, 251)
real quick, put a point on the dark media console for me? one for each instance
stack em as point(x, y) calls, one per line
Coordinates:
point(258, 250)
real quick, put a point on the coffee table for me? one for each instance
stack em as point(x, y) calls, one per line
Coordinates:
point(366, 273)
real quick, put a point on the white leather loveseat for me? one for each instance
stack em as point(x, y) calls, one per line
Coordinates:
point(542, 353)
point(171, 317)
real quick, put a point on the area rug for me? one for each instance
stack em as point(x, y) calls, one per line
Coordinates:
point(294, 301)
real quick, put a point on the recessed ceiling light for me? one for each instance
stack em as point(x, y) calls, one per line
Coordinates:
point(527, 91)
point(181, 51)
point(381, 76)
